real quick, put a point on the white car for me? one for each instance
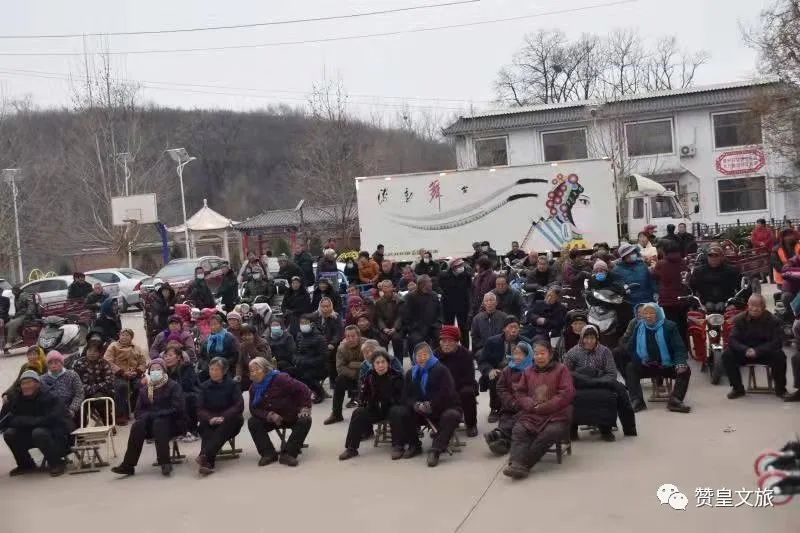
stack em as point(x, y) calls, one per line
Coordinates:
point(52, 290)
point(5, 288)
point(129, 281)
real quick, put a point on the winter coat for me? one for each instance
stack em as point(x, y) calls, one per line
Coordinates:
point(764, 334)
point(228, 290)
point(484, 326)
point(591, 369)
point(667, 274)
point(312, 352)
point(296, 303)
point(333, 294)
point(388, 313)
point(67, 387)
point(330, 327)
point(461, 366)
point(509, 302)
point(283, 349)
point(378, 393)
point(544, 395)
point(289, 271)
point(125, 358)
point(686, 243)
point(96, 376)
point(108, 327)
point(429, 269)
point(351, 273)
point(219, 399)
point(393, 275)
point(184, 375)
point(536, 279)
point(482, 283)
point(422, 314)
point(247, 352)
point(40, 410)
point(5, 307)
point(257, 287)
point(677, 349)
point(305, 263)
point(326, 265)
point(763, 237)
point(168, 402)
point(791, 276)
point(440, 391)
point(160, 344)
point(637, 272)
point(285, 397)
point(515, 255)
point(509, 380)
point(348, 360)
point(366, 367)
point(247, 270)
point(455, 289)
point(200, 295)
point(496, 352)
point(161, 309)
point(79, 290)
point(715, 284)
point(228, 351)
point(94, 300)
point(554, 315)
point(368, 271)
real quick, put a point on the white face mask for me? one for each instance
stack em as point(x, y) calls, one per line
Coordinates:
point(200, 275)
point(427, 259)
point(459, 270)
point(156, 375)
point(256, 276)
point(484, 248)
point(305, 328)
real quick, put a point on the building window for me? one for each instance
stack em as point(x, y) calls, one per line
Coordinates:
point(638, 208)
point(739, 128)
point(649, 138)
point(491, 152)
point(742, 194)
point(564, 145)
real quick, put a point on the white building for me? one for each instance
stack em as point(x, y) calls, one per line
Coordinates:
point(702, 142)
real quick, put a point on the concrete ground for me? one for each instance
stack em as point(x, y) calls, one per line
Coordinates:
point(601, 487)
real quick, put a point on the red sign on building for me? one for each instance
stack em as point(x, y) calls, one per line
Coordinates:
point(740, 162)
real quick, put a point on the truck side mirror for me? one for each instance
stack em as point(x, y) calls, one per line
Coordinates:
point(697, 209)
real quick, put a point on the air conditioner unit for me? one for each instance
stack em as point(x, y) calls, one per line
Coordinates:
point(688, 150)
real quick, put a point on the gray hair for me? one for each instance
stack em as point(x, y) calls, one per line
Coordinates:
point(262, 363)
point(372, 343)
point(218, 361)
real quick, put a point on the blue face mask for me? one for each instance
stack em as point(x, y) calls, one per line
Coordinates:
point(275, 331)
point(600, 276)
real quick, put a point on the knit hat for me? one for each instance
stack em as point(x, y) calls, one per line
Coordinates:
point(451, 332)
point(157, 361)
point(176, 337)
point(175, 319)
point(590, 329)
point(627, 249)
point(600, 265)
point(30, 374)
point(55, 356)
point(233, 315)
point(510, 319)
point(457, 262)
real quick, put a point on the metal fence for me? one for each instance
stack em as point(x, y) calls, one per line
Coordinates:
point(702, 230)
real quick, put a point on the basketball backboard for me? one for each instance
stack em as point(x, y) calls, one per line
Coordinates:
point(139, 208)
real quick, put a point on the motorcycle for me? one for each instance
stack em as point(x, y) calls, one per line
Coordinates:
point(607, 309)
point(63, 335)
point(780, 472)
point(257, 313)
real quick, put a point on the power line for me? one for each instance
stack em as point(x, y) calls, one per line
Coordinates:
point(331, 39)
point(242, 26)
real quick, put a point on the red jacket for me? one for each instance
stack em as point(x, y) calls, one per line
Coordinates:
point(544, 396)
point(763, 237)
point(667, 274)
point(285, 396)
point(484, 282)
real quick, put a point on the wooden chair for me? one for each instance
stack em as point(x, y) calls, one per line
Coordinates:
point(176, 457)
point(89, 438)
point(455, 444)
point(564, 445)
point(383, 434)
point(662, 390)
point(752, 383)
point(282, 435)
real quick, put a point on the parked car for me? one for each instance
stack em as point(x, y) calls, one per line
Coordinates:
point(180, 272)
point(5, 287)
point(54, 290)
point(129, 281)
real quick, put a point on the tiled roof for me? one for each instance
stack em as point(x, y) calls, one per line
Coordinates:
point(291, 218)
point(564, 112)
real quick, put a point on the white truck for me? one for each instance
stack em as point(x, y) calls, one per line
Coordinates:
point(543, 207)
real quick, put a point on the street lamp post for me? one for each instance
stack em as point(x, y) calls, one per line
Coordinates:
point(126, 157)
point(182, 158)
point(10, 176)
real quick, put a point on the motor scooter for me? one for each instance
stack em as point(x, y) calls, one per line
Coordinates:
point(62, 335)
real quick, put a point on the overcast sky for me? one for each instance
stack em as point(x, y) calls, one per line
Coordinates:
point(444, 69)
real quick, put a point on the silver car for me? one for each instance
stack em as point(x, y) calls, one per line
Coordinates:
point(52, 290)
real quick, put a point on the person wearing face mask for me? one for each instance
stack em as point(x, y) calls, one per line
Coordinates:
point(199, 293)
point(351, 271)
point(631, 269)
point(455, 284)
point(159, 416)
point(382, 389)
point(348, 362)
point(220, 343)
point(296, 303)
point(427, 266)
point(389, 321)
point(600, 397)
point(325, 290)
point(326, 320)
point(281, 344)
point(64, 383)
point(310, 361)
point(228, 288)
point(499, 439)
point(486, 250)
point(128, 362)
point(257, 285)
point(252, 264)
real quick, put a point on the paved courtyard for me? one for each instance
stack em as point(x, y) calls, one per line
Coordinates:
point(601, 487)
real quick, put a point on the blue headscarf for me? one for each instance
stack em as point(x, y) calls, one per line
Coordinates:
point(259, 389)
point(658, 329)
point(216, 341)
point(527, 362)
point(417, 370)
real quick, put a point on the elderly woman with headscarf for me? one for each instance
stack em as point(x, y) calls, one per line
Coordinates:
point(277, 401)
point(499, 439)
point(64, 383)
point(381, 389)
point(595, 376)
point(220, 343)
point(159, 416)
point(656, 350)
point(128, 362)
point(250, 347)
point(431, 400)
point(325, 289)
point(174, 331)
point(461, 365)
point(544, 397)
point(219, 408)
point(36, 360)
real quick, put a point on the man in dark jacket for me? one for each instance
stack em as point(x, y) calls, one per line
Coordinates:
point(515, 254)
point(377, 256)
point(199, 293)
point(388, 319)
point(541, 276)
point(756, 339)
point(716, 281)
point(305, 263)
point(486, 324)
point(96, 297)
point(494, 358)
point(455, 284)
point(422, 314)
point(547, 317)
point(35, 418)
point(668, 275)
point(79, 288)
point(461, 365)
point(509, 300)
point(288, 270)
point(228, 289)
point(483, 282)
point(310, 361)
point(685, 240)
point(162, 306)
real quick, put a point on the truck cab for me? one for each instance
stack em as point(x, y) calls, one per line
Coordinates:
point(649, 203)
